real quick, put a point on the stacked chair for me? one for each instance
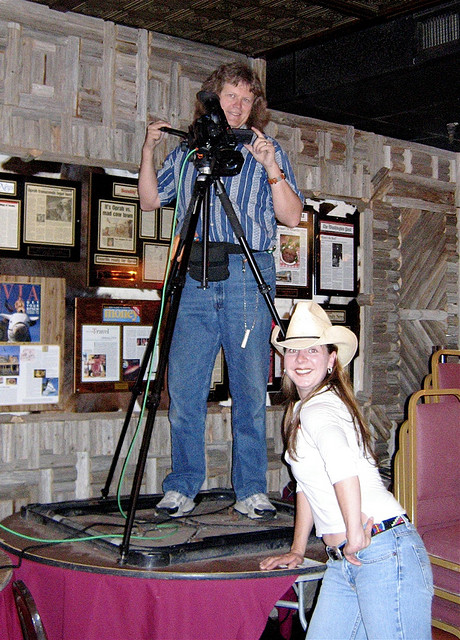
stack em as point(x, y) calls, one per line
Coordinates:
point(427, 480)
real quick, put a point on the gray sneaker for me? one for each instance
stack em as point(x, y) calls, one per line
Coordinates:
point(256, 506)
point(175, 504)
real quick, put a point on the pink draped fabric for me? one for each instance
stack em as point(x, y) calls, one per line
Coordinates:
point(77, 605)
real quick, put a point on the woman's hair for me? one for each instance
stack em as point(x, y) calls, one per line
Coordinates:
point(234, 73)
point(337, 381)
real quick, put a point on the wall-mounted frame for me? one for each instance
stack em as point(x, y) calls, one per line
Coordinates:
point(110, 340)
point(346, 316)
point(294, 259)
point(41, 218)
point(111, 336)
point(127, 246)
point(336, 248)
point(32, 319)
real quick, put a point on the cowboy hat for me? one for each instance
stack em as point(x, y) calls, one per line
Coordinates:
point(310, 326)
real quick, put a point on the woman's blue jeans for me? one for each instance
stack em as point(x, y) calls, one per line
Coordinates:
point(388, 597)
point(208, 319)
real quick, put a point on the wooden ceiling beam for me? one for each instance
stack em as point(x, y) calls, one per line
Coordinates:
point(349, 8)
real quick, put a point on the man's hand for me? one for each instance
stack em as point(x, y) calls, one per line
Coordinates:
point(263, 151)
point(154, 135)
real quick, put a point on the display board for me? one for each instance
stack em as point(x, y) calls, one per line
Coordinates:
point(32, 323)
point(294, 258)
point(41, 218)
point(127, 246)
point(336, 248)
point(111, 337)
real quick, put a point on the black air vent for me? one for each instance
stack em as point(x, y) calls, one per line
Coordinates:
point(439, 30)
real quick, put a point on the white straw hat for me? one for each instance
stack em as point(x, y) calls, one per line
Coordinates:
point(310, 326)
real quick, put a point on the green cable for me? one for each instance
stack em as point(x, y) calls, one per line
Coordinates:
point(174, 527)
point(162, 306)
point(93, 537)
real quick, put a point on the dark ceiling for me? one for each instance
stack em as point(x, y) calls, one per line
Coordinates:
point(386, 66)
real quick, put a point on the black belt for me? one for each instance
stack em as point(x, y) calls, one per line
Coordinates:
point(231, 247)
point(336, 553)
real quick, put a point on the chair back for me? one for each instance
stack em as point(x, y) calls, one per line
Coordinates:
point(431, 450)
point(445, 368)
point(31, 624)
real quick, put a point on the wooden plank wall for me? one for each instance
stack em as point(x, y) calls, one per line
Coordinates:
point(80, 91)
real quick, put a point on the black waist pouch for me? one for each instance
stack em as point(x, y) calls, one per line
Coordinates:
point(217, 261)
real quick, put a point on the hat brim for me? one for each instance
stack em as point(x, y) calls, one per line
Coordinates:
point(343, 338)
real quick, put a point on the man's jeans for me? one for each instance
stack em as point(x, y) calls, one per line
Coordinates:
point(387, 598)
point(207, 319)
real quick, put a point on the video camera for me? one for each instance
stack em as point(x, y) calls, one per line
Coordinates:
point(214, 140)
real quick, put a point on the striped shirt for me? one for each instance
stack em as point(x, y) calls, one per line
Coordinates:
point(249, 193)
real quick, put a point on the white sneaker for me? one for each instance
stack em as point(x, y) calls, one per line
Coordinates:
point(256, 506)
point(175, 504)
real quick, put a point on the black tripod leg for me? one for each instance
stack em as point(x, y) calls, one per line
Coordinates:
point(239, 233)
point(178, 274)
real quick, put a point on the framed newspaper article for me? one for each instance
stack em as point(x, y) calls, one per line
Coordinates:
point(41, 218)
point(128, 247)
point(111, 337)
point(336, 249)
point(294, 259)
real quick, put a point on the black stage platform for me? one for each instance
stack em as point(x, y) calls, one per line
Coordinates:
point(213, 530)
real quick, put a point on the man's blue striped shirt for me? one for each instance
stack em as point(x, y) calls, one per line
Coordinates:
point(249, 192)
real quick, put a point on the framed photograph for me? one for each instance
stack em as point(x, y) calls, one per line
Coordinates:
point(294, 259)
point(336, 244)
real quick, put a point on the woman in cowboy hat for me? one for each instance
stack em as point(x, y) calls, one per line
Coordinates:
point(378, 582)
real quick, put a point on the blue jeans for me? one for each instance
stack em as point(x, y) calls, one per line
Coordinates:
point(208, 319)
point(388, 597)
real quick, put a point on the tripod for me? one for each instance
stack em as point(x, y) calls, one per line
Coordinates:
point(199, 203)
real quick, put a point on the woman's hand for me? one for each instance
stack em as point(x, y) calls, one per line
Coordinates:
point(289, 560)
point(353, 546)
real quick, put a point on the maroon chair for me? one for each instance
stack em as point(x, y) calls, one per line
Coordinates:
point(445, 368)
point(31, 624)
point(427, 484)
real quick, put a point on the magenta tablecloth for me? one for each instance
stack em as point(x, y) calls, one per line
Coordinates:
point(79, 605)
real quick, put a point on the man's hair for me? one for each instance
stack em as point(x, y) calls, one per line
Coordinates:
point(234, 73)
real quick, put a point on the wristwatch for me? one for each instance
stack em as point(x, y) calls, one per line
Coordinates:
point(277, 179)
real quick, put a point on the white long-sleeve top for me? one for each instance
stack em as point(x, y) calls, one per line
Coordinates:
point(327, 451)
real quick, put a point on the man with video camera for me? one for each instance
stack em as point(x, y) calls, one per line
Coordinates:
point(229, 311)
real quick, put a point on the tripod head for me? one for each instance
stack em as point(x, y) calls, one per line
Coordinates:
point(214, 140)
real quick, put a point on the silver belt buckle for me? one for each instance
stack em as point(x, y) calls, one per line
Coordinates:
point(335, 553)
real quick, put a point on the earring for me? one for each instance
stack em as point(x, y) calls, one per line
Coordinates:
point(329, 370)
